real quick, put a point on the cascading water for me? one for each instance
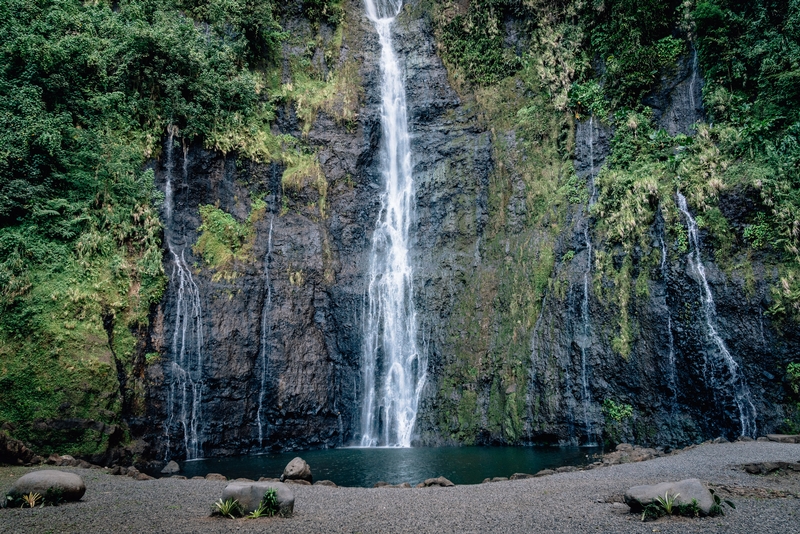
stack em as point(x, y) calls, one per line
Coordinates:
point(672, 380)
point(586, 395)
point(393, 368)
point(185, 394)
point(265, 330)
point(725, 370)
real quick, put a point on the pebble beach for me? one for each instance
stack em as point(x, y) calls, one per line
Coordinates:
point(580, 501)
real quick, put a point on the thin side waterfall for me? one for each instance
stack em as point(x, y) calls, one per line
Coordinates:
point(586, 395)
point(672, 380)
point(185, 394)
point(724, 365)
point(265, 331)
point(693, 80)
point(394, 369)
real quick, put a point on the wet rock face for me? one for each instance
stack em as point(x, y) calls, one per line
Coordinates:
point(677, 103)
point(312, 286)
point(316, 270)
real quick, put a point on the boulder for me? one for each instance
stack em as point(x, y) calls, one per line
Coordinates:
point(638, 497)
point(249, 495)
point(297, 469)
point(70, 485)
point(171, 468)
point(438, 481)
point(783, 438)
point(13, 451)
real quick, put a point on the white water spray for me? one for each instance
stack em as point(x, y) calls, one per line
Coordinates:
point(585, 342)
point(394, 370)
point(265, 330)
point(734, 380)
point(185, 394)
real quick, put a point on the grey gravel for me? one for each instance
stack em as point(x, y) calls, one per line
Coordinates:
point(576, 502)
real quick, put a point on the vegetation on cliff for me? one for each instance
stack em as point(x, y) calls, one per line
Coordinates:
point(535, 67)
point(87, 91)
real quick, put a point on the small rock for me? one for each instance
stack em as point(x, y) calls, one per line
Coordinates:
point(638, 497)
point(53, 459)
point(268, 479)
point(438, 481)
point(132, 472)
point(178, 477)
point(171, 468)
point(216, 476)
point(784, 438)
point(298, 482)
point(328, 483)
point(520, 476)
point(249, 495)
point(499, 479)
point(243, 479)
point(762, 438)
point(624, 447)
point(381, 484)
point(744, 438)
point(116, 470)
point(544, 473)
point(198, 478)
point(142, 476)
point(420, 485)
point(71, 485)
point(297, 469)
point(486, 480)
point(566, 469)
point(404, 485)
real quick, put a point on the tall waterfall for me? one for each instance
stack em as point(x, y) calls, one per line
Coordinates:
point(185, 394)
point(393, 367)
point(586, 335)
point(725, 370)
point(265, 331)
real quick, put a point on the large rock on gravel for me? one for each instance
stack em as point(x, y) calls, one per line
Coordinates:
point(438, 481)
point(297, 469)
point(249, 495)
point(784, 438)
point(171, 468)
point(686, 490)
point(70, 485)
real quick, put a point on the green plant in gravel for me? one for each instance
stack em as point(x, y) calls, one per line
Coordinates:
point(691, 509)
point(228, 508)
point(718, 507)
point(667, 502)
point(269, 503)
point(31, 499)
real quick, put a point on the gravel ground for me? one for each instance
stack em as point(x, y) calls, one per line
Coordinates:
point(569, 502)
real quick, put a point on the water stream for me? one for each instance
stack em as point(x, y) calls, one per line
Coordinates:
point(265, 331)
point(185, 375)
point(672, 380)
point(586, 395)
point(393, 368)
point(726, 374)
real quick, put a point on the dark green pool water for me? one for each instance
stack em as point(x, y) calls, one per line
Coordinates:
point(365, 467)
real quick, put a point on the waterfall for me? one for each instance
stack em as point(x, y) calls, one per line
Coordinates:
point(185, 394)
point(693, 80)
point(735, 381)
point(265, 330)
point(393, 368)
point(586, 395)
point(672, 380)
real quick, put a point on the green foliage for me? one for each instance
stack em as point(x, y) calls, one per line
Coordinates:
point(328, 11)
point(228, 508)
point(667, 502)
point(474, 43)
point(87, 90)
point(52, 497)
point(691, 509)
point(588, 99)
point(718, 507)
point(617, 419)
point(617, 412)
point(223, 240)
point(269, 503)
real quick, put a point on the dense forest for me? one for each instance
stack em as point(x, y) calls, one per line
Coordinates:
point(90, 90)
